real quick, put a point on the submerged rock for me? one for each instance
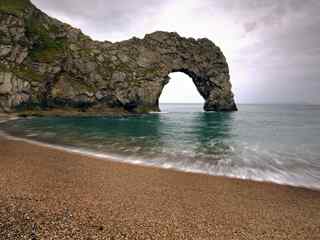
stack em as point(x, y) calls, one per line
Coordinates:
point(59, 67)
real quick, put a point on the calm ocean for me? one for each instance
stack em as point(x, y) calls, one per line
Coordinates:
point(276, 143)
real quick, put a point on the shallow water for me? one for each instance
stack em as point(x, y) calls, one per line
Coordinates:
point(277, 143)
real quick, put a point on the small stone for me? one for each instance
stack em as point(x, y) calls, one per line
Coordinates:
point(22, 56)
point(123, 58)
point(73, 47)
point(5, 50)
point(6, 85)
point(100, 58)
point(118, 77)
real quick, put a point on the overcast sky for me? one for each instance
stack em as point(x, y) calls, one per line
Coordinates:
point(272, 46)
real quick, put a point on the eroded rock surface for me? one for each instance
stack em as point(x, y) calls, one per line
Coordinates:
point(47, 64)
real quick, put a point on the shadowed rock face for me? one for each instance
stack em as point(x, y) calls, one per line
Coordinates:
point(46, 64)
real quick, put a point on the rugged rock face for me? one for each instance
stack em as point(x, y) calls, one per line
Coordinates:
point(47, 64)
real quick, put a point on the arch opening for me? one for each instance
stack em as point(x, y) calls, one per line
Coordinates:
point(180, 89)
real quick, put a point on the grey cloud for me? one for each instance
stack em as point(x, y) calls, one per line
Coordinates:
point(272, 13)
point(283, 61)
point(250, 26)
point(99, 16)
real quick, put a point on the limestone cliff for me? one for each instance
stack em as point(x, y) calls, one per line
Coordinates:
point(47, 64)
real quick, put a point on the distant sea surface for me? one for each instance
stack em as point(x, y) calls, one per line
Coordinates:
point(274, 143)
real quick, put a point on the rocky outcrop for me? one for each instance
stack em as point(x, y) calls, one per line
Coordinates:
point(47, 64)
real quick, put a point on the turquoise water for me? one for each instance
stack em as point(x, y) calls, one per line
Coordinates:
point(277, 143)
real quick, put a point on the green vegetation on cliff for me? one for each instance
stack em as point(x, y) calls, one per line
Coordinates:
point(46, 48)
point(47, 51)
point(3, 68)
point(14, 7)
point(28, 74)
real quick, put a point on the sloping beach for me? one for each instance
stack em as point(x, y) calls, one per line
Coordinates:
point(51, 194)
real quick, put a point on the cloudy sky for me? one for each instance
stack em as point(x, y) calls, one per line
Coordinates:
point(272, 46)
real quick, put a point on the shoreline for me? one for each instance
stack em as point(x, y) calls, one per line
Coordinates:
point(70, 196)
point(133, 162)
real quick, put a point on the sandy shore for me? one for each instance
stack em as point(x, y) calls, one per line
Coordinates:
point(51, 194)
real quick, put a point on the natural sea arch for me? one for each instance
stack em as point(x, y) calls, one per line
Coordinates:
point(47, 65)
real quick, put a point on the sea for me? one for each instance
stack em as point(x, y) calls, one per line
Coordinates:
point(271, 143)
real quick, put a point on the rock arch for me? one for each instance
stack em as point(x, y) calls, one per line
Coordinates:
point(62, 68)
point(162, 53)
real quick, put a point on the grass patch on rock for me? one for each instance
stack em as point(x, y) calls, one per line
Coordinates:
point(14, 7)
point(46, 47)
point(28, 74)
